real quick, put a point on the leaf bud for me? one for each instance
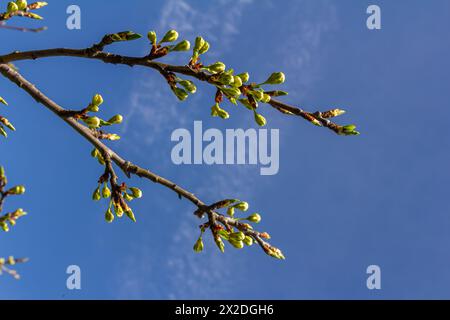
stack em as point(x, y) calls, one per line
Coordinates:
point(170, 36)
point(276, 78)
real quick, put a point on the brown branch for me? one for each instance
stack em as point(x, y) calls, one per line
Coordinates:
point(128, 168)
point(95, 52)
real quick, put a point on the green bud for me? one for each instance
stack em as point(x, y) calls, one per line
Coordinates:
point(198, 246)
point(180, 93)
point(96, 196)
point(128, 197)
point(220, 244)
point(223, 114)
point(188, 85)
point(230, 211)
point(255, 218)
point(21, 4)
point(237, 82)
point(237, 236)
point(3, 101)
point(130, 215)
point(11, 260)
point(182, 46)
point(275, 78)
point(136, 192)
point(248, 240)
point(92, 122)
point(109, 216)
point(125, 36)
point(117, 119)
point(2, 173)
point(106, 192)
point(119, 210)
point(4, 226)
point(231, 92)
point(12, 6)
point(266, 98)
point(243, 206)
point(204, 48)
point(237, 244)
point(17, 190)
point(216, 67)
point(226, 79)
point(258, 95)
point(151, 35)
point(170, 36)
point(260, 120)
point(244, 77)
point(97, 100)
point(3, 132)
point(199, 43)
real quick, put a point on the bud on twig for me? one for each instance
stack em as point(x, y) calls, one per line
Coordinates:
point(255, 218)
point(182, 46)
point(151, 35)
point(198, 246)
point(275, 78)
point(170, 36)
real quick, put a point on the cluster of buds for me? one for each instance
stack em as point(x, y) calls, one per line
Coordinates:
point(238, 232)
point(9, 219)
point(119, 196)
point(5, 123)
point(180, 87)
point(95, 122)
point(6, 263)
point(234, 87)
point(161, 48)
point(22, 8)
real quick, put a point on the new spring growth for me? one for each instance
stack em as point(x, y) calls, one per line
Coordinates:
point(255, 218)
point(170, 36)
point(109, 216)
point(198, 246)
point(181, 94)
point(216, 111)
point(22, 4)
point(11, 218)
point(182, 46)
point(259, 119)
point(12, 7)
point(151, 35)
point(117, 119)
point(242, 206)
point(125, 36)
point(106, 192)
point(96, 195)
point(188, 86)
point(17, 190)
point(349, 130)
point(275, 78)
point(136, 192)
point(215, 67)
point(92, 122)
point(97, 100)
point(201, 46)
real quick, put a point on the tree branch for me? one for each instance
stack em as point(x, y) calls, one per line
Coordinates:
point(95, 52)
point(245, 231)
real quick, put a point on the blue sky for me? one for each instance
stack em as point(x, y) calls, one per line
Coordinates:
point(338, 204)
